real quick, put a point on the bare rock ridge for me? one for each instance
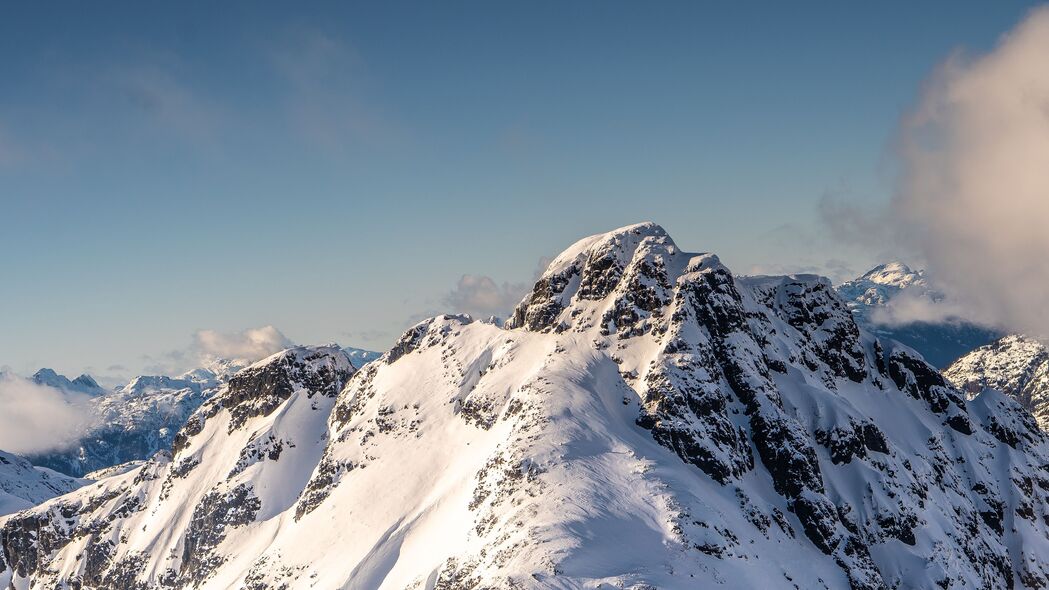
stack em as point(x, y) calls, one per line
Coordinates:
point(645, 419)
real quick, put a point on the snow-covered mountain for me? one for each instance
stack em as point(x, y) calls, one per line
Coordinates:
point(1015, 365)
point(360, 357)
point(644, 420)
point(871, 295)
point(141, 418)
point(85, 383)
point(23, 486)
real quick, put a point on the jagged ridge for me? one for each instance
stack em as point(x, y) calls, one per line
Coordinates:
point(740, 432)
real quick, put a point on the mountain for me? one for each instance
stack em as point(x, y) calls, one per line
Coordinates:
point(85, 384)
point(872, 295)
point(645, 419)
point(1015, 365)
point(23, 486)
point(360, 357)
point(135, 421)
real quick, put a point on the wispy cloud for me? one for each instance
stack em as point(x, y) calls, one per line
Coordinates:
point(326, 86)
point(481, 296)
point(165, 100)
point(11, 152)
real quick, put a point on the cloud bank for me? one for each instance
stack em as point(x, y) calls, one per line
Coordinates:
point(973, 193)
point(37, 418)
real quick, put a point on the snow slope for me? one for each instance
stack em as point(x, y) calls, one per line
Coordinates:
point(1015, 365)
point(644, 420)
point(22, 485)
point(872, 295)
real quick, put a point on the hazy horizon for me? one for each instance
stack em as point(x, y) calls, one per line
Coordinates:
point(338, 175)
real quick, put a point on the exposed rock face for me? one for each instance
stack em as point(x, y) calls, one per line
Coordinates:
point(1015, 365)
point(284, 398)
point(644, 420)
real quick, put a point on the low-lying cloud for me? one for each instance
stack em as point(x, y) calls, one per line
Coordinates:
point(37, 418)
point(481, 297)
point(210, 345)
point(251, 344)
point(908, 307)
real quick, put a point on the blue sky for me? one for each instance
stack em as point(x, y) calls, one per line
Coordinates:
point(335, 172)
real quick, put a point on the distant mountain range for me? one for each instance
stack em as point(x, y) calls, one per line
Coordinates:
point(941, 342)
point(85, 384)
point(136, 420)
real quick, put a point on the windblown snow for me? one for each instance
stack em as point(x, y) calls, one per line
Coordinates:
point(644, 420)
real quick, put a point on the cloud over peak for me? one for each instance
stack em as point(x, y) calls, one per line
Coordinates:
point(251, 344)
point(973, 197)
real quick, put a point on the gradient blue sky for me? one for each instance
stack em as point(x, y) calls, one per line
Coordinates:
point(168, 168)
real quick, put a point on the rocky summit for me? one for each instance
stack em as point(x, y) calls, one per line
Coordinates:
point(645, 419)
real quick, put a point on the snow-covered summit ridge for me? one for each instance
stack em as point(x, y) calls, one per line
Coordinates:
point(896, 274)
point(739, 432)
point(880, 284)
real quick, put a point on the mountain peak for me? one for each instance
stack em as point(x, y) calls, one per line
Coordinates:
point(634, 263)
point(82, 384)
point(45, 374)
point(896, 274)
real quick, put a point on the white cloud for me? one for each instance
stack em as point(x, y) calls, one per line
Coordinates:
point(209, 345)
point(973, 198)
point(480, 296)
point(910, 306)
point(252, 344)
point(37, 418)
